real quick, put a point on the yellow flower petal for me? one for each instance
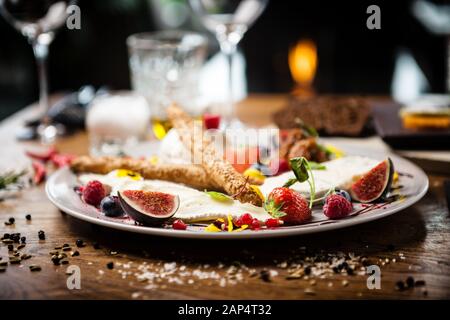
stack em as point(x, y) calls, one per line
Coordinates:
point(258, 192)
point(243, 227)
point(154, 160)
point(212, 228)
point(255, 174)
point(230, 223)
point(121, 173)
point(338, 153)
point(159, 130)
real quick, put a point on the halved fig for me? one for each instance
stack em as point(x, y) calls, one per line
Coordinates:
point(148, 207)
point(375, 184)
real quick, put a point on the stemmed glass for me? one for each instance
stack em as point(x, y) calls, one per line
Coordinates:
point(228, 20)
point(37, 20)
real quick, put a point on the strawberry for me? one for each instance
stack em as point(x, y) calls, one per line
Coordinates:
point(287, 205)
point(93, 192)
point(336, 206)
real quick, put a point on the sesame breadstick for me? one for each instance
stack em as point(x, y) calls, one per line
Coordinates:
point(220, 170)
point(191, 175)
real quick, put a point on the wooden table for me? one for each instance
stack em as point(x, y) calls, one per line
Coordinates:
point(417, 238)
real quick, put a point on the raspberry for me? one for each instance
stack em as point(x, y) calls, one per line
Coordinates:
point(336, 207)
point(273, 223)
point(255, 225)
point(179, 225)
point(93, 193)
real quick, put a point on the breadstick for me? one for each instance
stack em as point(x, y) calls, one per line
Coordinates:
point(191, 175)
point(220, 170)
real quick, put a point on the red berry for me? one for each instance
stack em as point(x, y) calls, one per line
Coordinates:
point(93, 192)
point(255, 225)
point(211, 121)
point(291, 203)
point(179, 225)
point(336, 207)
point(273, 223)
point(246, 218)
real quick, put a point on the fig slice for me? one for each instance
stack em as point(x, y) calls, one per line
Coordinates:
point(148, 207)
point(375, 184)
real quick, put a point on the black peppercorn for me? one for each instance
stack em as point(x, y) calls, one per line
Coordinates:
point(28, 217)
point(79, 243)
point(23, 239)
point(110, 265)
point(12, 220)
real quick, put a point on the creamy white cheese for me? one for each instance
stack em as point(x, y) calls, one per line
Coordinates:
point(194, 205)
point(338, 173)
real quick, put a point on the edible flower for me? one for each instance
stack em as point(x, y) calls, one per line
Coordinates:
point(255, 174)
point(212, 228)
point(230, 223)
point(121, 173)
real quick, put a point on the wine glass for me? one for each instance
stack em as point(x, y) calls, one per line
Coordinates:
point(37, 20)
point(228, 20)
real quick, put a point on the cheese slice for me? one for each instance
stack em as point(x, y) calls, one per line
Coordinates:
point(195, 206)
point(338, 173)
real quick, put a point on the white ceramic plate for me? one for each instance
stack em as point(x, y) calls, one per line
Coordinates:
point(59, 189)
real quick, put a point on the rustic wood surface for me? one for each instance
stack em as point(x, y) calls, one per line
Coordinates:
point(421, 234)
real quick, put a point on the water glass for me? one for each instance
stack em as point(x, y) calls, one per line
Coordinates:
point(165, 68)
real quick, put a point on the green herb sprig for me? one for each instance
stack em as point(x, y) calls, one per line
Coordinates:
point(303, 172)
point(10, 178)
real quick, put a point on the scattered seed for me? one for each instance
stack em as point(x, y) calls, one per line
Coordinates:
point(312, 282)
point(21, 246)
point(58, 248)
point(419, 283)
point(23, 239)
point(7, 223)
point(399, 286)
point(6, 236)
point(264, 275)
point(41, 235)
point(66, 248)
point(79, 243)
point(3, 263)
point(65, 245)
point(309, 291)
point(53, 252)
point(10, 247)
point(410, 282)
point(344, 283)
point(14, 260)
point(11, 220)
point(113, 253)
point(75, 253)
point(64, 261)
point(35, 267)
point(7, 241)
point(25, 256)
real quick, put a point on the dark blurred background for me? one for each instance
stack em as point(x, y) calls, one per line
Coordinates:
point(352, 59)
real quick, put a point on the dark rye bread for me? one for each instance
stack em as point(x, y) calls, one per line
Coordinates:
point(329, 115)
